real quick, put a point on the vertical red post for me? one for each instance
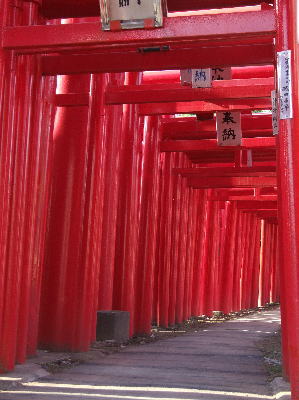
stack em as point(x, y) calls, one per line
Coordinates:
point(37, 164)
point(63, 252)
point(7, 139)
point(252, 263)
point(24, 167)
point(275, 270)
point(74, 236)
point(229, 241)
point(270, 262)
point(288, 181)
point(113, 118)
point(238, 262)
point(215, 262)
point(127, 227)
point(206, 227)
point(188, 255)
point(195, 210)
point(210, 258)
point(180, 260)
point(92, 230)
point(165, 237)
point(175, 270)
point(256, 267)
point(245, 250)
point(197, 267)
point(148, 226)
point(183, 228)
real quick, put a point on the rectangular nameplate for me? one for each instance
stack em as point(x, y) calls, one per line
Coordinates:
point(284, 75)
point(275, 120)
point(186, 76)
point(201, 78)
point(229, 132)
point(131, 14)
point(221, 74)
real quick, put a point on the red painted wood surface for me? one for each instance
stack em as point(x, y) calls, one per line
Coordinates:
point(174, 58)
point(254, 26)
point(195, 107)
point(25, 168)
point(232, 89)
point(90, 8)
point(288, 212)
point(248, 72)
point(61, 313)
point(108, 203)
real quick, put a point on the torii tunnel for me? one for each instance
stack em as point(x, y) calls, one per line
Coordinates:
point(115, 194)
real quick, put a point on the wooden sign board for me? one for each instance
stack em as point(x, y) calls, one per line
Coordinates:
point(186, 76)
point(229, 132)
point(284, 78)
point(221, 74)
point(275, 117)
point(203, 77)
point(131, 14)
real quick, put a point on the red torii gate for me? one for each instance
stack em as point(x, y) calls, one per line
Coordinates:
point(66, 49)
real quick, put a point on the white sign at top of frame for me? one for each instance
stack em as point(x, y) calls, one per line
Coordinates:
point(131, 14)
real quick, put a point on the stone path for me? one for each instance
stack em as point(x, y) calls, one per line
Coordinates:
point(221, 362)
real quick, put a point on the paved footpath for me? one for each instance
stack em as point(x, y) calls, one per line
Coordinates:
point(220, 362)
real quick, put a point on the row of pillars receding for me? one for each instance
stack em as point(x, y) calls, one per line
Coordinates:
point(101, 209)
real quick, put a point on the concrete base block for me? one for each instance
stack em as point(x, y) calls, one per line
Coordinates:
point(113, 325)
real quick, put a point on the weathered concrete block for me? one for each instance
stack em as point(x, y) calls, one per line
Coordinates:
point(113, 325)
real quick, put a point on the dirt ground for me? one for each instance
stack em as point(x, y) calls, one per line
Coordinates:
point(271, 349)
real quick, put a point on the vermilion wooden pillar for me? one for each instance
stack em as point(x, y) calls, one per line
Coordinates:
point(156, 277)
point(267, 261)
point(111, 182)
point(148, 226)
point(275, 271)
point(271, 262)
point(181, 227)
point(206, 228)
point(24, 169)
point(238, 261)
point(188, 250)
point(288, 178)
point(175, 305)
point(256, 267)
point(185, 249)
point(176, 261)
point(262, 263)
point(216, 268)
point(9, 279)
point(245, 249)
point(37, 171)
point(210, 258)
point(250, 257)
point(194, 233)
point(92, 234)
point(75, 219)
point(168, 163)
point(63, 263)
point(127, 224)
point(249, 261)
point(227, 259)
point(197, 267)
